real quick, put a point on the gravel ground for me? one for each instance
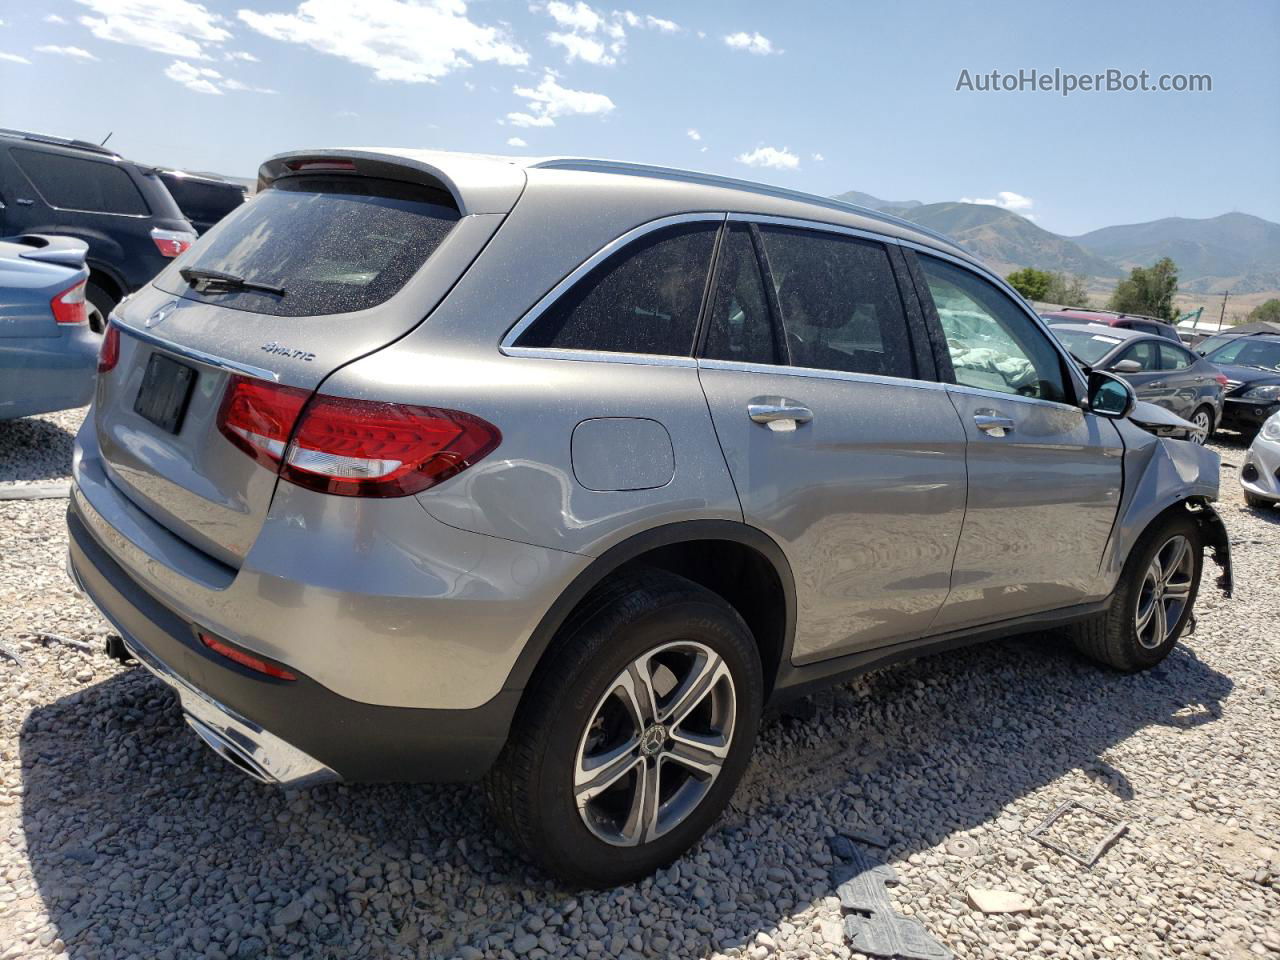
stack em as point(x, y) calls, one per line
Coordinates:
point(121, 836)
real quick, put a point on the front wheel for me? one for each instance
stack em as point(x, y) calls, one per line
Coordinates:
point(1152, 601)
point(634, 734)
point(1203, 419)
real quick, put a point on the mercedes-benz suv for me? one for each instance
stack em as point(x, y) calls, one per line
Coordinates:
point(426, 466)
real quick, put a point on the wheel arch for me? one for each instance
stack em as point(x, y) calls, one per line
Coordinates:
point(737, 561)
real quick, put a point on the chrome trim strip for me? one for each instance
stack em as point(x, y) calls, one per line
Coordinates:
point(601, 356)
point(997, 395)
point(821, 225)
point(508, 341)
point(815, 373)
point(190, 353)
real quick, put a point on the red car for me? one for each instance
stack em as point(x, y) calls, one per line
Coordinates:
point(1129, 321)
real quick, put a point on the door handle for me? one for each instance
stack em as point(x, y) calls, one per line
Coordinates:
point(778, 413)
point(996, 424)
point(24, 202)
point(1156, 383)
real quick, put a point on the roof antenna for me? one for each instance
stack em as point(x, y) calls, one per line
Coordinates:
point(105, 139)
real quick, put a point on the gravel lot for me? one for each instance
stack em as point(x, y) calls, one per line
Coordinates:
point(122, 836)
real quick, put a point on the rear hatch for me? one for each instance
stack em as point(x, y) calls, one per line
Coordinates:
point(335, 257)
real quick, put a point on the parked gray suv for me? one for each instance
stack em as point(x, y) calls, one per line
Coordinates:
point(426, 466)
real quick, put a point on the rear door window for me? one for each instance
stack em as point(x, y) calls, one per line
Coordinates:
point(739, 326)
point(334, 244)
point(1144, 352)
point(643, 299)
point(1174, 357)
point(840, 305)
point(85, 186)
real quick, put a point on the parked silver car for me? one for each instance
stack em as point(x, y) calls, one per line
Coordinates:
point(433, 466)
point(48, 354)
point(1260, 472)
point(1161, 372)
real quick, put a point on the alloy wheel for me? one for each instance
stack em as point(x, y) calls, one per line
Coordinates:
point(1203, 422)
point(655, 743)
point(1166, 588)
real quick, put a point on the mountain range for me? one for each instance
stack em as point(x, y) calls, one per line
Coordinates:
point(1234, 251)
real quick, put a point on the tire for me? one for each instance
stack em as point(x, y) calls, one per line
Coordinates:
point(1260, 503)
point(1114, 638)
point(576, 711)
point(99, 306)
point(1203, 417)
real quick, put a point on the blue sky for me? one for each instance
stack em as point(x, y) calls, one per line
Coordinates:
point(824, 97)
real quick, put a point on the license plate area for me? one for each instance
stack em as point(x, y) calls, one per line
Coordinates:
point(165, 392)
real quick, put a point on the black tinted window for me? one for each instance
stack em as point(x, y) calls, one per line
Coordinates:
point(739, 324)
point(840, 304)
point(994, 344)
point(201, 200)
point(72, 183)
point(335, 244)
point(643, 299)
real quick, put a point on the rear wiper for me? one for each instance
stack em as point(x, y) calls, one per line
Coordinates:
point(203, 279)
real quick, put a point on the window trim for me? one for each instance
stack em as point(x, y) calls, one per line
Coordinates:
point(1074, 377)
point(507, 346)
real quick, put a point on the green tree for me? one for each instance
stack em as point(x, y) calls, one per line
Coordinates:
point(1031, 283)
point(1148, 291)
point(1068, 291)
point(1267, 310)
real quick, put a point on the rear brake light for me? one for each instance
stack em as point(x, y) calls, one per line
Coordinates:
point(69, 305)
point(172, 243)
point(1222, 380)
point(244, 658)
point(109, 352)
point(354, 448)
point(322, 166)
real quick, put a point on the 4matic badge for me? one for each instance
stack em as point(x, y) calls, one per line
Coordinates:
point(282, 351)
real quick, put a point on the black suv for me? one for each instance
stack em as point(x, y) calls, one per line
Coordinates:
point(78, 189)
point(204, 200)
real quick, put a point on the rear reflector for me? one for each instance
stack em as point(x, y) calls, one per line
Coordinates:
point(172, 243)
point(109, 352)
point(69, 305)
point(352, 448)
point(1222, 380)
point(244, 658)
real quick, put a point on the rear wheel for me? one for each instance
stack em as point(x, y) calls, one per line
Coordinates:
point(1152, 601)
point(1203, 419)
point(635, 733)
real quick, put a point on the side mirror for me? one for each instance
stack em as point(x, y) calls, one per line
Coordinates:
point(1109, 396)
point(1126, 366)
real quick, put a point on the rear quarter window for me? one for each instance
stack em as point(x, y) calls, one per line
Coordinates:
point(86, 186)
point(334, 244)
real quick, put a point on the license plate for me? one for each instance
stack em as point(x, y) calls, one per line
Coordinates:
point(165, 392)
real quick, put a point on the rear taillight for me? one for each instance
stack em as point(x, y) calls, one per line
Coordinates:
point(353, 448)
point(244, 658)
point(322, 166)
point(1222, 380)
point(172, 243)
point(69, 305)
point(109, 352)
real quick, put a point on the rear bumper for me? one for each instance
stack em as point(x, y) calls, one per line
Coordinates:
point(295, 733)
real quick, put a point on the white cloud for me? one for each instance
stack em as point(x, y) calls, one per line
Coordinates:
point(13, 58)
point(586, 49)
point(197, 79)
point(76, 53)
point(240, 55)
point(54, 18)
point(412, 42)
point(548, 100)
point(752, 43)
point(181, 28)
point(818, 158)
point(516, 142)
point(207, 80)
point(579, 16)
point(666, 26)
point(782, 159)
point(1006, 199)
point(693, 134)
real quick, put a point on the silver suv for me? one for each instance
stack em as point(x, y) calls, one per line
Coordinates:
point(424, 466)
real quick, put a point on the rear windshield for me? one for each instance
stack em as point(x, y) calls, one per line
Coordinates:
point(1086, 347)
point(203, 200)
point(334, 244)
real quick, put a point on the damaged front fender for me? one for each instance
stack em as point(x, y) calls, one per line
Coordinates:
point(1161, 475)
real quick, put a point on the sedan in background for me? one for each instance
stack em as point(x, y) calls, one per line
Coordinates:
point(1252, 368)
point(1161, 371)
point(48, 354)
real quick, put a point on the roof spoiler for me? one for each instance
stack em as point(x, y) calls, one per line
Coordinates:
point(65, 251)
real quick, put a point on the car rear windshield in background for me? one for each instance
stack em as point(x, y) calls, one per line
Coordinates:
point(1086, 347)
point(333, 244)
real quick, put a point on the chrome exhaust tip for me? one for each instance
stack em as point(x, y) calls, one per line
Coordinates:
point(239, 758)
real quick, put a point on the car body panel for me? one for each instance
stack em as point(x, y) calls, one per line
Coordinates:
point(1260, 472)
